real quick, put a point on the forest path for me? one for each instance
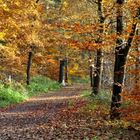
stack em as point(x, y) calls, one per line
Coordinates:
point(25, 121)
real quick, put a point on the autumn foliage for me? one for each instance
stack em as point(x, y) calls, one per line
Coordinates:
point(73, 30)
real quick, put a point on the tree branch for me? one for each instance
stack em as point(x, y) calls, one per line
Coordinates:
point(37, 1)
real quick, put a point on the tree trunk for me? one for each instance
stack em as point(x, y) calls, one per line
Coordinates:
point(90, 68)
point(99, 58)
point(97, 72)
point(120, 60)
point(121, 52)
point(137, 63)
point(61, 71)
point(91, 76)
point(66, 70)
point(29, 67)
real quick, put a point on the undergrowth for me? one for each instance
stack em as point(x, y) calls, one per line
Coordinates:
point(11, 93)
point(103, 97)
point(77, 79)
point(100, 105)
point(41, 84)
point(8, 95)
point(96, 102)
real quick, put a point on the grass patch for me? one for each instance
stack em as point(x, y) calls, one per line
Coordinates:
point(103, 97)
point(8, 95)
point(41, 84)
point(16, 92)
point(77, 79)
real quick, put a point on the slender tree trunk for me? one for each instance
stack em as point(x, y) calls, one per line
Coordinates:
point(120, 60)
point(99, 57)
point(66, 70)
point(91, 76)
point(29, 67)
point(61, 71)
point(97, 72)
point(90, 68)
point(137, 64)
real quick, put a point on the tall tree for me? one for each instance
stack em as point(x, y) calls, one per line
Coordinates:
point(99, 55)
point(121, 52)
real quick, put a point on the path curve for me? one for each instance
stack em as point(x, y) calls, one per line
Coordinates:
point(18, 123)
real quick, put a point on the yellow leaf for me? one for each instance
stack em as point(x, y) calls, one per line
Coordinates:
point(2, 35)
point(65, 5)
point(67, 35)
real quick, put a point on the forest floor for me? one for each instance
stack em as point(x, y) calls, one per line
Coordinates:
point(62, 115)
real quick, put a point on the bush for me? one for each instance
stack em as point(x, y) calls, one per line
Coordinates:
point(104, 95)
point(11, 93)
point(96, 102)
point(8, 96)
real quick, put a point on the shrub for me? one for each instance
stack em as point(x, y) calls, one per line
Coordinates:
point(11, 93)
point(8, 96)
point(41, 84)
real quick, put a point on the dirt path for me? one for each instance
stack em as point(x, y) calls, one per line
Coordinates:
point(58, 116)
point(26, 121)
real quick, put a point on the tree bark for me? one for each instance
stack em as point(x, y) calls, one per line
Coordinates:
point(90, 68)
point(97, 72)
point(91, 75)
point(137, 63)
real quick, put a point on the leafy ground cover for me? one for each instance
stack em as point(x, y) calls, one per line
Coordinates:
point(88, 119)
